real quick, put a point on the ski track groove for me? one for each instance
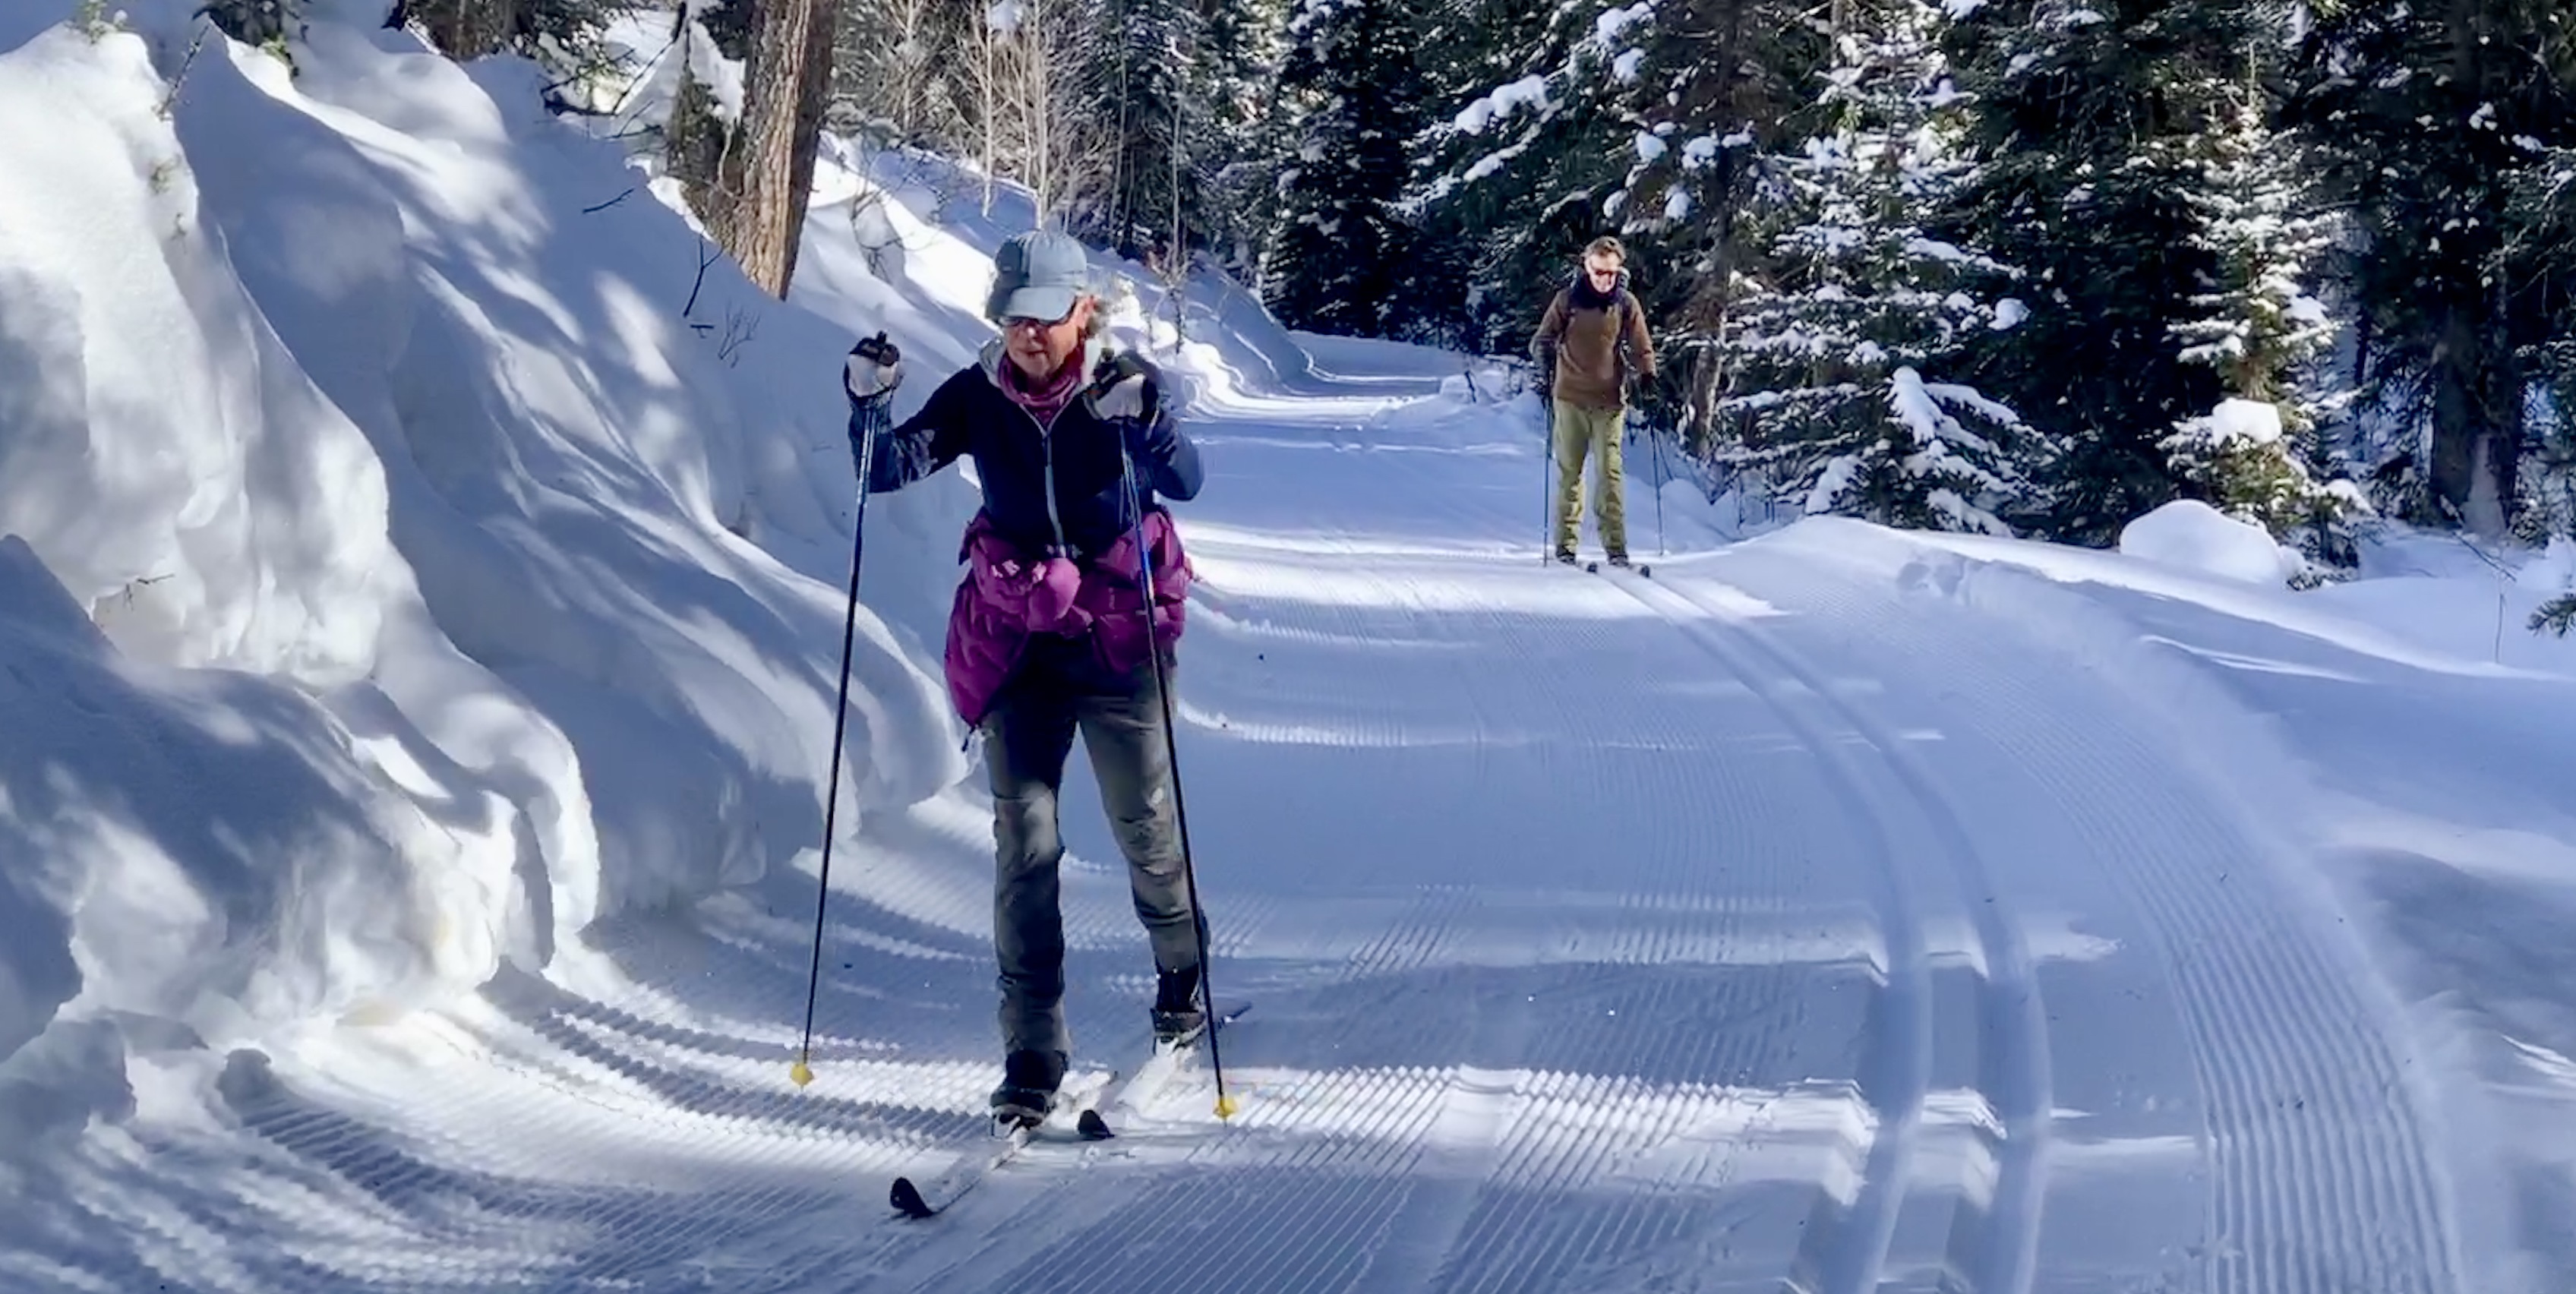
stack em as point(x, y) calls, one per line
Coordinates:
point(1333, 1187)
point(649, 1069)
point(1670, 842)
point(318, 1135)
point(1401, 1102)
point(1846, 1253)
point(1546, 1154)
point(1399, 1099)
point(2260, 1044)
point(2219, 991)
point(1537, 1092)
point(2012, 1015)
point(1617, 1232)
point(2346, 1212)
point(2287, 1165)
point(1519, 1161)
point(1642, 1217)
point(1608, 1225)
point(2274, 1024)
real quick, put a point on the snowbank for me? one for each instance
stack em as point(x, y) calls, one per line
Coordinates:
point(2456, 597)
point(216, 848)
point(2196, 536)
point(395, 581)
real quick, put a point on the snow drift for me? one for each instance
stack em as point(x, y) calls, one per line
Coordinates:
point(396, 581)
point(2195, 536)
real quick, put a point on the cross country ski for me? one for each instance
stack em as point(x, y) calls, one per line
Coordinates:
point(1082, 1101)
point(973, 1165)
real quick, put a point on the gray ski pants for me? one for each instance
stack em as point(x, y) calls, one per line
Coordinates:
point(1027, 738)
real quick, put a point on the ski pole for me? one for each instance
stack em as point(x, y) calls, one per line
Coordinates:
point(870, 419)
point(1546, 477)
point(1172, 761)
point(1660, 479)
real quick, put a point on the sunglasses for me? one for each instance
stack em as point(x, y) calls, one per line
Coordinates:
point(1027, 321)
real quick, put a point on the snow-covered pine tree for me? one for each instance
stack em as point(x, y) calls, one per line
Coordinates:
point(1636, 117)
point(2429, 117)
point(2261, 455)
point(1518, 167)
point(566, 36)
point(1342, 238)
point(1234, 132)
point(2541, 216)
point(1465, 45)
point(1139, 55)
point(2260, 327)
point(2085, 112)
point(891, 79)
point(1859, 302)
point(2543, 212)
point(1717, 84)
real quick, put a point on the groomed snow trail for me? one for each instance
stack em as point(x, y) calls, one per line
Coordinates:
point(1817, 915)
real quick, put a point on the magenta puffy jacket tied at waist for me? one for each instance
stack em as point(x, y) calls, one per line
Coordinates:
point(1006, 597)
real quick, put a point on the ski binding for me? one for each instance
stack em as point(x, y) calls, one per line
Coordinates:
point(1142, 1086)
point(933, 1197)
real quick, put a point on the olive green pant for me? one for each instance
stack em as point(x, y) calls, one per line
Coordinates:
point(1597, 431)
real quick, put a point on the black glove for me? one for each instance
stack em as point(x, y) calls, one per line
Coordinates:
point(875, 367)
point(1127, 388)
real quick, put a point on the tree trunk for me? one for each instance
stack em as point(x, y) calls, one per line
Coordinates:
point(2477, 424)
point(2477, 384)
point(988, 51)
point(787, 86)
point(1036, 95)
point(468, 29)
point(694, 142)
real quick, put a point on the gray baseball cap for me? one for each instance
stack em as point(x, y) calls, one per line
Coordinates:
point(1038, 275)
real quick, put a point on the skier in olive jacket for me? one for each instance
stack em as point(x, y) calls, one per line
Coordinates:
point(1588, 344)
point(1046, 636)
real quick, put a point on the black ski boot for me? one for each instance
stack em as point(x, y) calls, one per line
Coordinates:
point(1029, 1081)
point(1177, 1018)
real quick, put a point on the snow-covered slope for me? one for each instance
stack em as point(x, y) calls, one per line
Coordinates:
point(399, 581)
point(417, 643)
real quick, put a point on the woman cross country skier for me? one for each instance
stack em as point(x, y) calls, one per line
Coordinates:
point(1046, 635)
